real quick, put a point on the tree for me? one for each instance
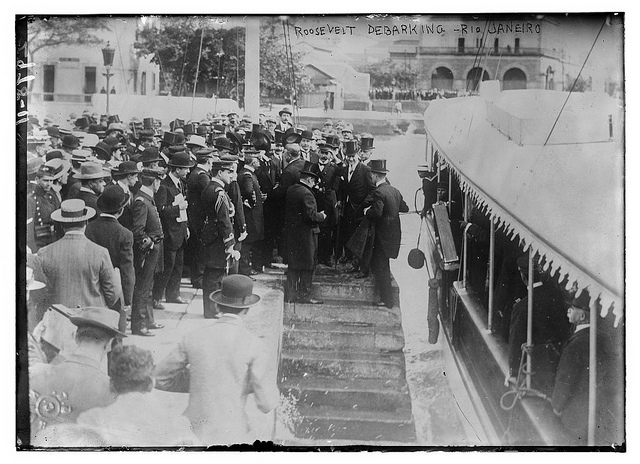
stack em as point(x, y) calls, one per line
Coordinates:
point(44, 32)
point(390, 73)
point(582, 84)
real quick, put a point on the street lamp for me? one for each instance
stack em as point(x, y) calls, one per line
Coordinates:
point(107, 57)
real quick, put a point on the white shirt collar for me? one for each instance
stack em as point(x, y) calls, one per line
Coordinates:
point(581, 326)
point(74, 232)
point(124, 186)
point(107, 215)
point(381, 181)
point(175, 180)
point(146, 189)
point(215, 179)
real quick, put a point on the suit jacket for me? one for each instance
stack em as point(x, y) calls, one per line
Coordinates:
point(355, 191)
point(196, 182)
point(226, 363)
point(90, 199)
point(217, 234)
point(386, 205)
point(327, 196)
point(175, 233)
point(77, 272)
point(290, 176)
point(237, 212)
point(301, 227)
point(126, 219)
point(109, 233)
point(268, 175)
point(252, 204)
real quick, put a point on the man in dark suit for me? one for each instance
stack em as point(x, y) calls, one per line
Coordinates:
point(285, 120)
point(550, 327)
point(126, 177)
point(217, 234)
point(147, 251)
point(327, 199)
point(92, 177)
point(172, 207)
point(301, 232)
point(106, 231)
point(250, 255)
point(386, 204)
point(197, 181)
point(356, 185)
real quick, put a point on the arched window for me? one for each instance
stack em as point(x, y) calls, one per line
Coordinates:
point(513, 79)
point(473, 78)
point(442, 78)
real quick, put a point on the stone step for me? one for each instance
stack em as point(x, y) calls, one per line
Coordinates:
point(341, 424)
point(345, 287)
point(333, 336)
point(347, 312)
point(351, 394)
point(340, 364)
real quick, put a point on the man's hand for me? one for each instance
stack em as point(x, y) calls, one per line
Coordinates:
point(367, 209)
point(183, 204)
point(233, 254)
point(324, 215)
point(243, 235)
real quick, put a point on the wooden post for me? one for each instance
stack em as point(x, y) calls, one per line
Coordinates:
point(252, 67)
point(492, 252)
point(529, 316)
point(593, 366)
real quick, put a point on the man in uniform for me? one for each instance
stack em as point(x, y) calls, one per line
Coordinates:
point(41, 202)
point(147, 250)
point(386, 204)
point(172, 207)
point(301, 232)
point(218, 239)
point(250, 255)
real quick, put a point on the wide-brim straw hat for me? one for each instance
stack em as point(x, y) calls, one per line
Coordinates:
point(73, 210)
point(98, 317)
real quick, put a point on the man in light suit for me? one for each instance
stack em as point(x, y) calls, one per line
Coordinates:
point(226, 363)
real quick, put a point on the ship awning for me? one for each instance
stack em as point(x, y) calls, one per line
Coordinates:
point(564, 200)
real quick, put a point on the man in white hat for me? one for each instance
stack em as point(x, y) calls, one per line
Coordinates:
point(92, 177)
point(226, 363)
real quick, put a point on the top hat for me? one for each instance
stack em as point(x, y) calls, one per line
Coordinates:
point(236, 138)
point(126, 168)
point(113, 118)
point(70, 141)
point(181, 160)
point(218, 129)
point(149, 155)
point(189, 129)
point(176, 123)
point(223, 143)
point(169, 138)
point(378, 165)
point(98, 317)
point(82, 123)
point(262, 140)
point(351, 147)
point(256, 128)
point(73, 210)
point(285, 110)
point(311, 169)
point(91, 170)
point(366, 143)
point(582, 300)
point(147, 123)
point(112, 199)
point(279, 136)
point(197, 140)
point(333, 141)
point(291, 136)
point(236, 292)
point(202, 130)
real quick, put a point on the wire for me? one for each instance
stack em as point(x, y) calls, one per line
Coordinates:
point(575, 82)
point(195, 83)
point(126, 86)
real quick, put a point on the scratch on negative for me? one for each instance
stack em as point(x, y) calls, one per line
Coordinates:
point(465, 417)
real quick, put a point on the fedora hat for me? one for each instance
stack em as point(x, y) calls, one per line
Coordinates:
point(582, 300)
point(91, 170)
point(351, 147)
point(70, 141)
point(181, 160)
point(378, 165)
point(112, 199)
point(126, 168)
point(286, 110)
point(291, 136)
point(73, 210)
point(311, 169)
point(197, 140)
point(236, 292)
point(53, 131)
point(332, 140)
point(98, 317)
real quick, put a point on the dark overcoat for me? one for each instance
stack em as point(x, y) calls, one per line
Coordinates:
point(301, 227)
point(196, 182)
point(90, 199)
point(386, 205)
point(217, 234)
point(175, 233)
point(252, 205)
point(327, 196)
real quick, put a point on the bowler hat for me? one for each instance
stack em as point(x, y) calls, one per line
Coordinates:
point(582, 300)
point(379, 166)
point(53, 154)
point(102, 151)
point(181, 160)
point(311, 169)
point(70, 141)
point(197, 140)
point(291, 136)
point(307, 134)
point(91, 170)
point(112, 199)
point(351, 147)
point(149, 155)
point(82, 123)
point(223, 143)
point(366, 143)
point(285, 110)
point(202, 130)
point(73, 210)
point(126, 168)
point(98, 317)
point(236, 292)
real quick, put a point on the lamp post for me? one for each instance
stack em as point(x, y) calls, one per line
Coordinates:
point(107, 57)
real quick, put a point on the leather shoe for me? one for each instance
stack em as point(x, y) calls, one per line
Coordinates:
point(310, 301)
point(157, 304)
point(143, 332)
point(155, 326)
point(176, 300)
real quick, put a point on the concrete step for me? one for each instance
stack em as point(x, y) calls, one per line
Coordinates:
point(342, 365)
point(333, 336)
point(347, 312)
point(340, 424)
point(336, 286)
point(351, 394)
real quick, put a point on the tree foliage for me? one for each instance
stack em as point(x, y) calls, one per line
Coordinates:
point(390, 73)
point(45, 32)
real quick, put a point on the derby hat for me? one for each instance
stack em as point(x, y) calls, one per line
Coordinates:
point(582, 300)
point(306, 134)
point(91, 170)
point(70, 141)
point(236, 292)
point(333, 141)
point(311, 169)
point(95, 316)
point(223, 143)
point(102, 151)
point(149, 155)
point(351, 147)
point(181, 160)
point(379, 166)
point(236, 138)
point(366, 143)
point(53, 154)
point(197, 140)
point(202, 130)
point(53, 131)
point(82, 123)
point(112, 199)
point(126, 168)
point(286, 110)
point(291, 136)
point(73, 210)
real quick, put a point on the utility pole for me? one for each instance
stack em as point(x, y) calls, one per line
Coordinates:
point(252, 67)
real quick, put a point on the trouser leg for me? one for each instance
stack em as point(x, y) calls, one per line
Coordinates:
point(244, 266)
point(173, 284)
point(162, 278)
point(211, 281)
point(382, 275)
point(304, 284)
point(141, 310)
point(293, 277)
